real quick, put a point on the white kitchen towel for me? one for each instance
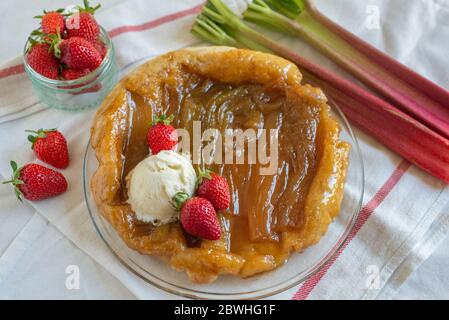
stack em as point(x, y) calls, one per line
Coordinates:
point(397, 226)
point(41, 263)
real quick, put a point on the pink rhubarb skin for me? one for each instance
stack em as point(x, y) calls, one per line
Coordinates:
point(415, 95)
point(393, 128)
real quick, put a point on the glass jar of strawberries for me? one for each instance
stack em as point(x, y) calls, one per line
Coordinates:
point(70, 59)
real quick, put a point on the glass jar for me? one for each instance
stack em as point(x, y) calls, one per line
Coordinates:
point(82, 93)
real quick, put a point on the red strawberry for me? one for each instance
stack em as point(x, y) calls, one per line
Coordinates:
point(162, 135)
point(36, 182)
point(42, 60)
point(214, 188)
point(101, 48)
point(50, 146)
point(83, 24)
point(78, 53)
point(72, 74)
point(52, 22)
point(198, 217)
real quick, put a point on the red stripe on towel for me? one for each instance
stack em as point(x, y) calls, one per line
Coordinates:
point(155, 23)
point(11, 71)
point(366, 211)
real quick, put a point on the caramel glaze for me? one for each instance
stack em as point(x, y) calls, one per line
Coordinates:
point(269, 216)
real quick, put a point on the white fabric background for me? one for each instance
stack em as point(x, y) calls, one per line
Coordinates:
point(41, 253)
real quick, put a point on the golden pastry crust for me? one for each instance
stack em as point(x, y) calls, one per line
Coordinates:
point(110, 136)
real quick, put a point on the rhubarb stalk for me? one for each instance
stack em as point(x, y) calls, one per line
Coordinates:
point(398, 131)
point(415, 95)
point(393, 128)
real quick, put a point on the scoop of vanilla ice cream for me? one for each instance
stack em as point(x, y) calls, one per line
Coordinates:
point(153, 183)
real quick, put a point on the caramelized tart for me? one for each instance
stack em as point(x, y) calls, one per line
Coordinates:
point(270, 216)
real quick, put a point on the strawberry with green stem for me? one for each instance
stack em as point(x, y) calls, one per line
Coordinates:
point(79, 53)
point(50, 146)
point(41, 59)
point(214, 188)
point(83, 24)
point(75, 52)
point(53, 40)
point(198, 216)
point(162, 135)
point(52, 22)
point(35, 182)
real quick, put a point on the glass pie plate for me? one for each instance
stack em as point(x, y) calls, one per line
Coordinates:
point(299, 267)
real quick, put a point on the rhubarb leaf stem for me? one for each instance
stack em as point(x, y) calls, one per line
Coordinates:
point(354, 55)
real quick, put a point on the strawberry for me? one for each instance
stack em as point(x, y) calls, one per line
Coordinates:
point(41, 59)
point(50, 146)
point(35, 182)
point(72, 74)
point(214, 188)
point(162, 135)
point(198, 216)
point(83, 24)
point(79, 53)
point(52, 22)
point(101, 47)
